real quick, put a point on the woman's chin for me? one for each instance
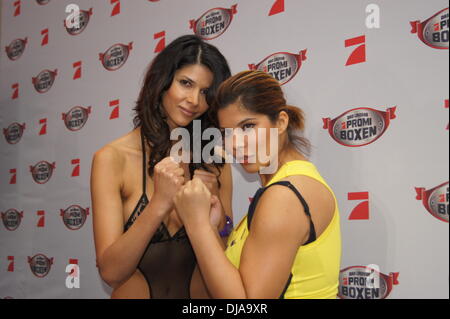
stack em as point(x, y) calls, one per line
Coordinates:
point(250, 168)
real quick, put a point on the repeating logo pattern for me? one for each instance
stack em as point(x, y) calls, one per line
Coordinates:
point(35, 121)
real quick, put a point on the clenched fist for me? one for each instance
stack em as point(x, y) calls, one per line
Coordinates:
point(168, 178)
point(193, 203)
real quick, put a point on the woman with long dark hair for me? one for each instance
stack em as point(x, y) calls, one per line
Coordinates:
point(289, 243)
point(141, 245)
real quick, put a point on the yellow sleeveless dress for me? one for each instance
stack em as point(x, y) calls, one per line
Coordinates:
point(315, 272)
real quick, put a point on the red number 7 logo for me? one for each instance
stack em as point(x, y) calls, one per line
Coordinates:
point(359, 54)
point(360, 212)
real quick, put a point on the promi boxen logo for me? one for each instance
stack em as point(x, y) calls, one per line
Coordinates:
point(16, 49)
point(433, 31)
point(43, 82)
point(78, 20)
point(283, 66)
point(76, 118)
point(14, 132)
point(74, 217)
point(42, 171)
point(359, 127)
point(116, 56)
point(435, 200)
point(40, 265)
point(366, 282)
point(213, 23)
point(12, 219)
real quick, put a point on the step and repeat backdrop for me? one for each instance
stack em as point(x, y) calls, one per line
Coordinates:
point(371, 76)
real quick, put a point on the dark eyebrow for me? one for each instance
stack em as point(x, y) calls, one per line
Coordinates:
point(240, 123)
point(189, 79)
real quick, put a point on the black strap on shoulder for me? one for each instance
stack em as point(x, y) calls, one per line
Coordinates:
point(252, 208)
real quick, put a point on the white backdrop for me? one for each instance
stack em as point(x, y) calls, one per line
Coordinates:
point(350, 63)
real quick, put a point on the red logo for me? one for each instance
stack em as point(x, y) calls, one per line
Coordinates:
point(116, 56)
point(360, 212)
point(43, 82)
point(446, 106)
point(359, 127)
point(116, 7)
point(77, 67)
point(14, 132)
point(277, 7)
point(76, 118)
point(12, 219)
point(40, 265)
point(80, 22)
point(16, 48)
point(359, 54)
point(162, 42)
point(42, 171)
point(13, 172)
point(11, 264)
point(283, 66)
point(44, 34)
point(74, 217)
point(435, 200)
point(41, 221)
point(115, 111)
point(359, 282)
point(433, 31)
point(17, 5)
point(15, 88)
point(43, 130)
point(213, 23)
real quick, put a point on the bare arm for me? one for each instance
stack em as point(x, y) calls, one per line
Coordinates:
point(118, 253)
point(278, 230)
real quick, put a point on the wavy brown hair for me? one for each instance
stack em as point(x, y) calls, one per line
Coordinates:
point(260, 93)
point(185, 50)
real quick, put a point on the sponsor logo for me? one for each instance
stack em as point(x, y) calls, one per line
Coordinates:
point(11, 219)
point(433, 31)
point(76, 118)
point(282, 66)
point(16, 48)
point(435, 200)
point(360, 282)
point(358, 55)
point(213, 23)
point(14, 132)
point(74, 217)
point(40, 265)
point(116, 56)
point(43, 82)
point(78, 22)
point(42, 172)
point(359, 127)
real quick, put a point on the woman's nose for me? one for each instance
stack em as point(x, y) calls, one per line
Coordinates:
point(193, 97)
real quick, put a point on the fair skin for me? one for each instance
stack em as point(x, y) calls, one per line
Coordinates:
point(116, 186)
point(278, 228)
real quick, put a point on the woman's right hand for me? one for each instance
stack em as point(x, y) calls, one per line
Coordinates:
point(168, 178)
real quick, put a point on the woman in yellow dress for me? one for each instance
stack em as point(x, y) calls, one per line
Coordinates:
point(289, 243)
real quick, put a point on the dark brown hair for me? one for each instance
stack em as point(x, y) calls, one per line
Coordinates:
point(260, 93)
point(185, 50)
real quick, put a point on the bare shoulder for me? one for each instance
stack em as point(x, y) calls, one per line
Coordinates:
point(109, 156)
point(311, 189)
point(114, 154)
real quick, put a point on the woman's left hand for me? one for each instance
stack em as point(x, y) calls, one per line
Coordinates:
point(193, 203)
